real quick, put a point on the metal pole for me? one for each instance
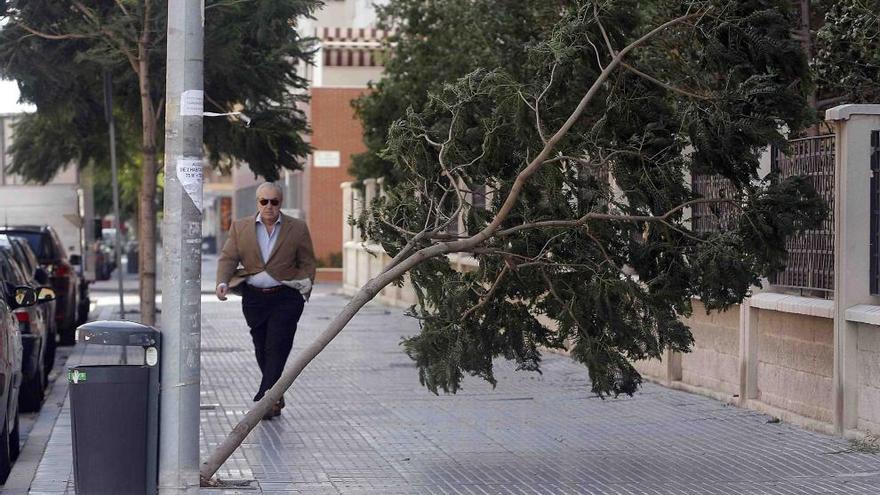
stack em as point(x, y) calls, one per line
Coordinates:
point(117, 249)
point(182, 241)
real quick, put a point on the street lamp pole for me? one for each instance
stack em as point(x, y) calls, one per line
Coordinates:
point(182, 241)
point(114, 177)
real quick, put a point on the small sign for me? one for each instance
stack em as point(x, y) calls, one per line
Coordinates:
point(192, 102)
point(152, 356)
point(189, 173)
point(76, 376)
point(326, 159)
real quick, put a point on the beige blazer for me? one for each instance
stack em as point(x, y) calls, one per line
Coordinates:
point(292, 256)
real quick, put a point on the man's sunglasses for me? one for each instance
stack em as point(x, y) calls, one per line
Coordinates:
point(264, 202)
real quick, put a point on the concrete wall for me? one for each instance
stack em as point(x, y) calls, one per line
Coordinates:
point(795, 363)
point(713, 362)
point(869, 374)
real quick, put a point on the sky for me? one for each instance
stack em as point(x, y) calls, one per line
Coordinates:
point(9, 99)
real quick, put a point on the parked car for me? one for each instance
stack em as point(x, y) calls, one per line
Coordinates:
point(34, 327)
point(11, 298)
point(65, 277)
point(36, 277)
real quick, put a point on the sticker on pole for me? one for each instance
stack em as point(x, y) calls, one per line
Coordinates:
point(189, 173)
point(76, 376)
point(192, 102)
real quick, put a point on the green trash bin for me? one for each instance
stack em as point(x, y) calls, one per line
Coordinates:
point(114, 412)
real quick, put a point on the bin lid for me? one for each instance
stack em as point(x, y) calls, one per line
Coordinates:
point(117, 332)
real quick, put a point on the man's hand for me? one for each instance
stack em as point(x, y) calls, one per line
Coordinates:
point(221, 291)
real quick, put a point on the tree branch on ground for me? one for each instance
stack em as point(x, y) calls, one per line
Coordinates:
point(611, 244)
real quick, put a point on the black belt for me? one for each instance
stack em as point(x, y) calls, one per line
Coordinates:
point(266, 290)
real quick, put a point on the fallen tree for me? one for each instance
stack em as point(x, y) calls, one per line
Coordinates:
point(588, 225)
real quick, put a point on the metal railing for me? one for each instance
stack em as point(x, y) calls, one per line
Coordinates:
point(708, 217)
point(810, 264)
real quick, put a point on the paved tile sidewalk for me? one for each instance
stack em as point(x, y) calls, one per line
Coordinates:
point(358, 422)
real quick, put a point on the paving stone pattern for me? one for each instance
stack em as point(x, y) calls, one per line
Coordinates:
point(357, 421)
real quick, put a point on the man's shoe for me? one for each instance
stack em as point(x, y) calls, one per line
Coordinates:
point(270, 413)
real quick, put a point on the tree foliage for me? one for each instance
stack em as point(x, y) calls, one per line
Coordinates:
point(251, 57)
point(58, 51)
point(848, 56)
point(433, 43)
point(571, 178)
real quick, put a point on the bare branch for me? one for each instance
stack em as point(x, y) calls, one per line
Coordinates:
point(229, 3)
point(602, 249)
point(122, 8)
point(611, 217)
point(536, 162)
point(376, 284)
point(537, 107)
point(658, 82)
point(596, 51)
point(488, 295)
point(602, 29)
point(50, 36)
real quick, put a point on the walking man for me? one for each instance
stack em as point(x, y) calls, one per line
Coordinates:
point(268, 259)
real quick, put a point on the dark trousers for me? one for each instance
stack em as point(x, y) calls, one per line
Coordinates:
point(272, 318)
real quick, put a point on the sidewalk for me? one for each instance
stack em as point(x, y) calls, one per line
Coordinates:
point(357, 421)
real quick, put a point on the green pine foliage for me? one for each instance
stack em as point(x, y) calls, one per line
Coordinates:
point(847, 59)
point(704, 96)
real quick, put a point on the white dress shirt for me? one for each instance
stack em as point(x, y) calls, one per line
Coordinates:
point(266, 242)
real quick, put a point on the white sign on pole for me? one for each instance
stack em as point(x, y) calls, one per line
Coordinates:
point(192, 102)
point(189, 173)
point(326, 159)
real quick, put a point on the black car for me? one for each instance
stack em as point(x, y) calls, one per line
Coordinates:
point(37, 277)
point(34, 327)
point(11, 298)
point(70, 288)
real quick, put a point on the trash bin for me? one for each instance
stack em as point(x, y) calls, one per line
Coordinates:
point(114, 412)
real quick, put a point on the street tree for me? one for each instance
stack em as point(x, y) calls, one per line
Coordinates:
point(433, 43)
point(568, 183)
point(57, 51)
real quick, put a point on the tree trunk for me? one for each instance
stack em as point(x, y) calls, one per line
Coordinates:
point(147, 227)
point(301, 360)
point(806, 38)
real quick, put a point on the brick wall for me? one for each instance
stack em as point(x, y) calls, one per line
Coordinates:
point(334, 128)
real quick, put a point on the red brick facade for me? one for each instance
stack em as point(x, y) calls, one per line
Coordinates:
point(334, 128)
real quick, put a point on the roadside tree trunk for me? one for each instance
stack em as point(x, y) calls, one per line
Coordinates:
point(147, 227)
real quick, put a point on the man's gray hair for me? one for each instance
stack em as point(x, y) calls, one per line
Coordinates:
point(270, 185)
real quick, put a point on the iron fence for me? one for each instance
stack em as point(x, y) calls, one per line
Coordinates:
point(810, 266)
point(811, 253)
point(713, 217)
